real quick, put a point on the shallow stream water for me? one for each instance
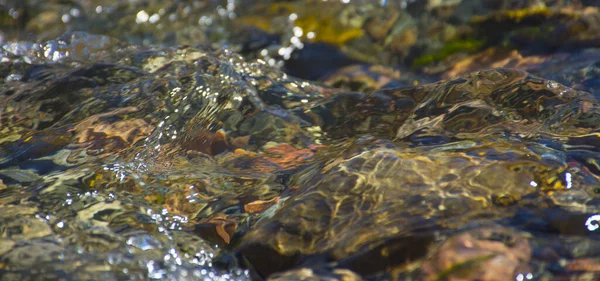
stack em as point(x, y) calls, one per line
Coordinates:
point(300, 140)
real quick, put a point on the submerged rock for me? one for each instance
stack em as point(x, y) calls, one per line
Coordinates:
point(321, 275)
point(483, 254)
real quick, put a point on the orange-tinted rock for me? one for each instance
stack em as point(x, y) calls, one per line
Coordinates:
point(260, 205)
point(288, 157)
point(584, 264)
point(495, 58)
point(486, 254)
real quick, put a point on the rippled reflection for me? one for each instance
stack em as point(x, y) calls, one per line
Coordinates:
point(593, 223)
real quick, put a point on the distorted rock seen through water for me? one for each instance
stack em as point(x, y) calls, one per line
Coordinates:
point(300, 140)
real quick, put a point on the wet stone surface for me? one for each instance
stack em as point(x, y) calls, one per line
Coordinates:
point(299, 140)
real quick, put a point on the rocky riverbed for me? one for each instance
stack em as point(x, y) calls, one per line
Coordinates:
point(300, 140)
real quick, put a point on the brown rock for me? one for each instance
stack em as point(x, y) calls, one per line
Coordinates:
point(584, 264)
point(219, 226)
point(260, 205)
point(486, 254)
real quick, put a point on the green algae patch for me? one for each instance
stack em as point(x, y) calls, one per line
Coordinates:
point(463, 268)
point(327, 30)
point(468, 45)
point(516, 15)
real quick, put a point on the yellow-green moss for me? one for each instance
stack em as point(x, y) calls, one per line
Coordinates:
point(469, 45)
point(311, 18)
point(516, 15)
point(462, 269)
